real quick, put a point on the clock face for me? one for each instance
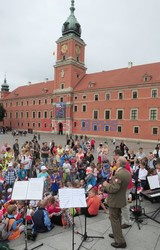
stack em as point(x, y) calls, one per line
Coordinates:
point(64, 48)
point(78, 50)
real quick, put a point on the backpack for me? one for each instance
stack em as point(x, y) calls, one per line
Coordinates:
point(4, 230)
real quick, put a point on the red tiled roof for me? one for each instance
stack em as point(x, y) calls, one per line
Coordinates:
point(36, 89)
point(120, 77)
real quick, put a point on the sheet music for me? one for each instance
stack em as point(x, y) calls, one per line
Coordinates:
point(72, 197)
point(20, 190)
point(35, 189)
point(153, 182)
point(28, 190)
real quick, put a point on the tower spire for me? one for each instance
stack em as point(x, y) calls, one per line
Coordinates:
point(71, 26)
point(72, 8)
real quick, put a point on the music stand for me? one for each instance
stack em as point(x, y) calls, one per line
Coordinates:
point(72, 198)
point(26, 191)
point(85, 236)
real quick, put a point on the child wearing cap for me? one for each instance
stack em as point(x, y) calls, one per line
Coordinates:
point(44, 174)
point(90, 178)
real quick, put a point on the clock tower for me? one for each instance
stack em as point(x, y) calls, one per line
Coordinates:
point(69, 70)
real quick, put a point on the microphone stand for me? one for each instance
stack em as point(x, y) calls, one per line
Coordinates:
point(85, 235)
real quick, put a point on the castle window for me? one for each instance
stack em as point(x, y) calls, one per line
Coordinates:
point(134, 94)
point(75, 108)
point(155, 131)
point(107, 97)
point(119, 129)
point(120, 95)
point(120, 114)
point(136, 130)
point(107, 114)
point(96, 97)
point(95, 114)
point(153, 114)
point(154, 93)
point(134, 114)
point(84, 108)
point(45, 114)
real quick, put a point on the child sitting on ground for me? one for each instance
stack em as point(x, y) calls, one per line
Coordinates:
point(15, 227)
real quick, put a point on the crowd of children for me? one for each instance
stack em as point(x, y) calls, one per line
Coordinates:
point(73, 165)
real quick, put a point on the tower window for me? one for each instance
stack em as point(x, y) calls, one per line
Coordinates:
point(61, 99)
point(77, 59)
point(45, 101)
point(64, 58)
point(62, 85)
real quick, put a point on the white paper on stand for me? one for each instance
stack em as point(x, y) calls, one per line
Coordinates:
point(20, 190)
point(35, 189)
point(153, 182)
point(28, 190)
point(72, 197)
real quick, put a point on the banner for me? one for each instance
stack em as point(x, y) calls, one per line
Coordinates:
point(60, 110)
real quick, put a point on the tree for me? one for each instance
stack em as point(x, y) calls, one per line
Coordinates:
point(2, 113)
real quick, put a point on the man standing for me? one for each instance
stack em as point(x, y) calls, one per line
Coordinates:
point(16, 149)
point(45, 151)
point(125, 210)
point(116, 200)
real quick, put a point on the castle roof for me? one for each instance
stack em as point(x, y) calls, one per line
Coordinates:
point(30, 90)
point(132, 76)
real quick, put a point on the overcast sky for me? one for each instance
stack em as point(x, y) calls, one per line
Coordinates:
point(115, 31)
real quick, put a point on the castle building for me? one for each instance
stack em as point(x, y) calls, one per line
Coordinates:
point(122, 103)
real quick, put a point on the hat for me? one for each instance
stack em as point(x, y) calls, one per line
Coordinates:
point(106, 165)
point(89, 170)
point(89, 187)
point(10, 164)
point(9, 190)
point(43, 168)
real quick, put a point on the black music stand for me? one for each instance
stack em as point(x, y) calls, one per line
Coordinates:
point(72, 198)
point(85, 236)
